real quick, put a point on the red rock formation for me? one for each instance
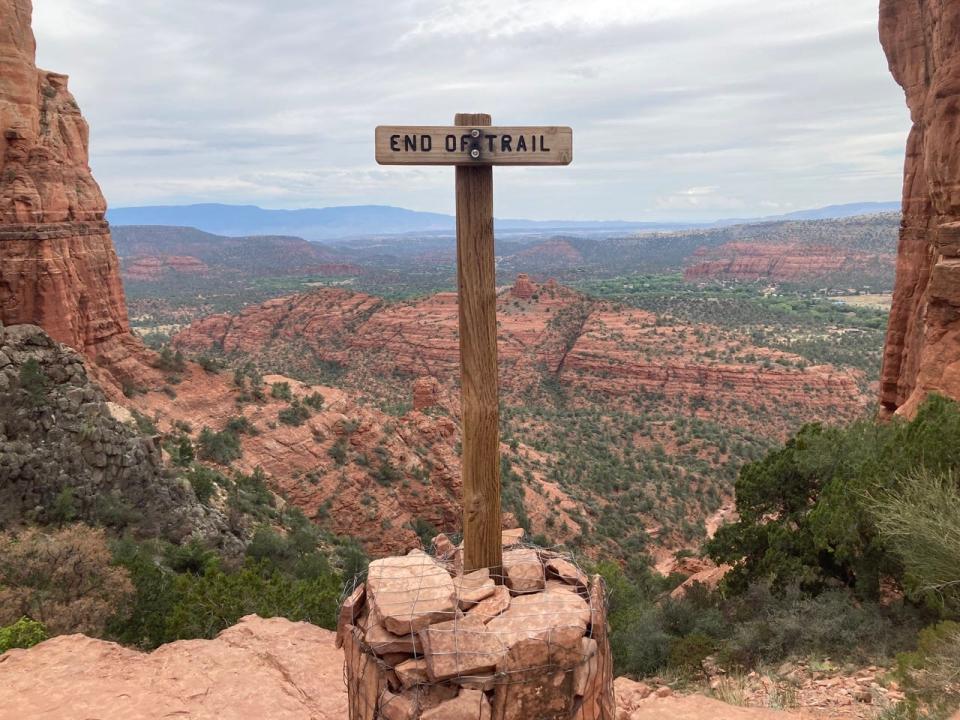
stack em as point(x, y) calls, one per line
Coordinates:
point(777, 262)
point(426, 393)
point(523, 288)
point(154, 267)
point(58, 268)
point(922, 42)
point(620, 352)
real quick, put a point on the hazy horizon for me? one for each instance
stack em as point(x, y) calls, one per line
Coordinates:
point(683, 110)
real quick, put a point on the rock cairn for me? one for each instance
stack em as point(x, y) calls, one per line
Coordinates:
point(422, 639)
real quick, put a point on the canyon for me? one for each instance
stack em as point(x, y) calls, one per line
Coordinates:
point(344, 404)
point(922, 43)
point(547, 333)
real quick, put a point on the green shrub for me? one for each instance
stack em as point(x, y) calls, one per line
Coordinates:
point(314, 400)
point(241, 425)
point(920, 520)
point(208, 604)
point(203, 482)
point(145, 425)
point(281, 391)
point(929, 674)
point(170, 361)
point(805, 517)
point(181, 451)
point(295, 415)
point(210, 364)
point(386, 474)
point(64, 508)
point(338, 451)
point(219, 447)
point(33, 381)
point(688, 653)
point(25, 633)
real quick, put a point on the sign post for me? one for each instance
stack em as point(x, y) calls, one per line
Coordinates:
point(474, 146)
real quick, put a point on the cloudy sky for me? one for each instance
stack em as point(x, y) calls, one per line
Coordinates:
point(685, 109)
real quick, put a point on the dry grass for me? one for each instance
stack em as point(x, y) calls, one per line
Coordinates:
point(732, 690)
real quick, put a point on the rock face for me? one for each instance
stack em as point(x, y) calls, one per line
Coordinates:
point(58, 268)
point(155, 267)
point(784, 262)
point(922, 355)
point(62, 449)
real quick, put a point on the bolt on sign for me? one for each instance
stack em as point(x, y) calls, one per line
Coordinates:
point(473, 145)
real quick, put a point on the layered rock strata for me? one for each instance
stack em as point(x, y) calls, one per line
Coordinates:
point(423, 640)
point(922, 354)
point(561, 336)
point(780, 262)
point(58, 268)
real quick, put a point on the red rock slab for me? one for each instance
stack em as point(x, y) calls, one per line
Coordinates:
point(259, 668)
point(383, 642)
point(523, 571)
point(412, 672)
point(461, 648)
point(411, 592)
point(397, 707)
point(350, 611)
point(473, 587)
point(557, 620)
point(493, 606)
point(567, 572)
point(468, 705)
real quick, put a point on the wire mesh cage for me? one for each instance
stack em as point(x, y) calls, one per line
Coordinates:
point(422, 639)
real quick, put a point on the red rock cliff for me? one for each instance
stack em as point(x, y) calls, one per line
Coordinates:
point(922, 42)
point(58, 268)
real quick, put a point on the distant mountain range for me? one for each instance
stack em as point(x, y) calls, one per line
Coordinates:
point(366, 220)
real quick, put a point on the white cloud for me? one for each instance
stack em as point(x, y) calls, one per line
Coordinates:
point(274, 102)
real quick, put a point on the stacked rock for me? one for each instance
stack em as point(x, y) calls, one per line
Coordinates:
point(424, 640)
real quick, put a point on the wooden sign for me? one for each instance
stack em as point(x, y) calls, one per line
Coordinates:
point(474, 145)
point(479, 145)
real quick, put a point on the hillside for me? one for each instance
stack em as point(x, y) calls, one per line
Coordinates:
point(155, 253)
point(680, 404)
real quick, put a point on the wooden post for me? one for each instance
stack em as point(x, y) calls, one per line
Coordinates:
point(474, 147)
point(476, 281)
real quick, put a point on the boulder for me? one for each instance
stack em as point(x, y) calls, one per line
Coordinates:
point(493, 606)
point(467, 705)
point(473, 587)
point(523, 571)
point(410, 593)
point(461, 648)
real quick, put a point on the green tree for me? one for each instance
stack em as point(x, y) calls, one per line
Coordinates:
point(804, 511)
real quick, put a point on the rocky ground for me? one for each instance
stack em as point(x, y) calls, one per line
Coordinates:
point(66, 453)
point(256, 669)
